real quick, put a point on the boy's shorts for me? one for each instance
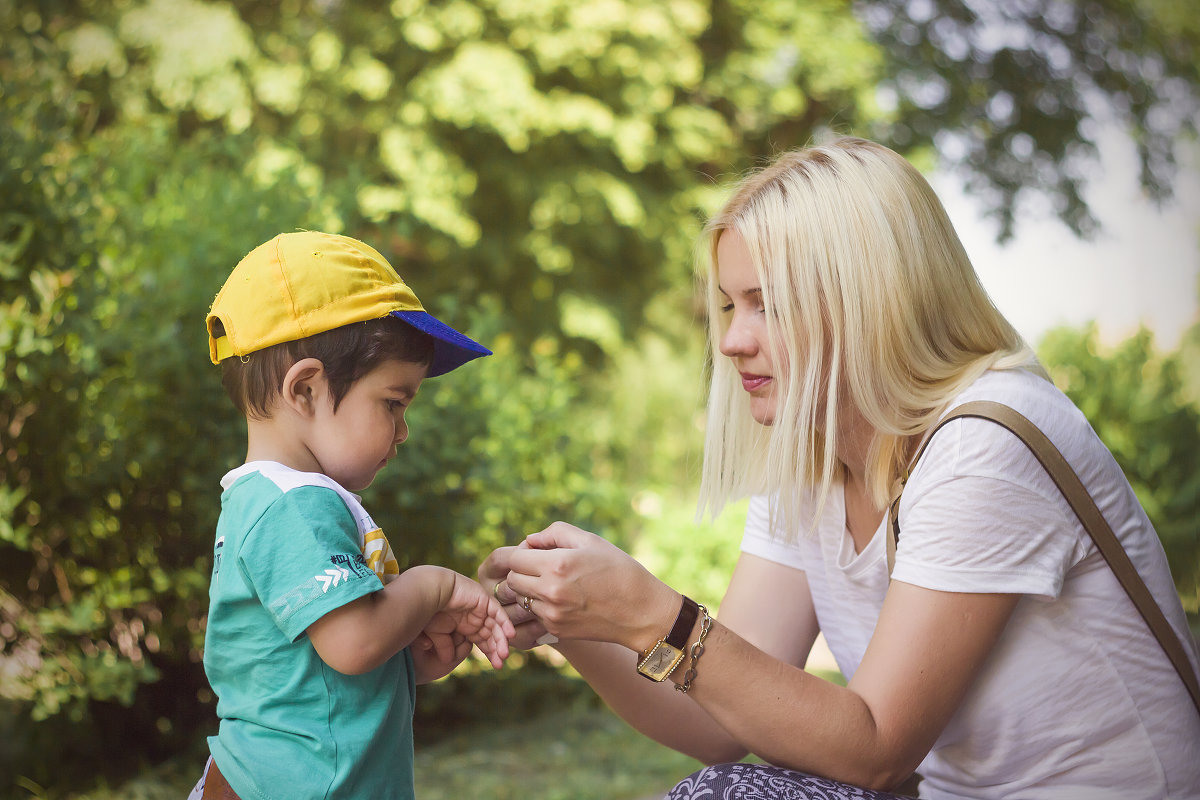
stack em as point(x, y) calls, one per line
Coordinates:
point(212, 785)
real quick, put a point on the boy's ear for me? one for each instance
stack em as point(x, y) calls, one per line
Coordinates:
point(304, 385)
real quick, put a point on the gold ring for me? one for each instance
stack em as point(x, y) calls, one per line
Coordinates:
point(526, 603)
point(496, 591)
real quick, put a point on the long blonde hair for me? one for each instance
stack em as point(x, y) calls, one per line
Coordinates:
point(870, 293)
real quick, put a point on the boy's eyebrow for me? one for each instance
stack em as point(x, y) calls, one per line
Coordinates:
point(401, 389)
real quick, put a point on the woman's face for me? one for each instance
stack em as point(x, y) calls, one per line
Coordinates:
point(745, 338)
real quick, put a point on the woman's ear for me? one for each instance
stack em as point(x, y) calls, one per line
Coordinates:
point(304, 386)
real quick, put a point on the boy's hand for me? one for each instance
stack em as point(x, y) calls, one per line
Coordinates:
point(477, 616)
point(439, 648)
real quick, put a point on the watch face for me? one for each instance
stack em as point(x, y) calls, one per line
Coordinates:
point(660, 661)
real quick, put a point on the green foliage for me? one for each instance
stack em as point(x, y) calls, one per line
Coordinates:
point(1135, 400)
point(497, 450)
point(697, 558)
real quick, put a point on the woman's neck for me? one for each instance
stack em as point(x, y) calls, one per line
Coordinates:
point(854, 443)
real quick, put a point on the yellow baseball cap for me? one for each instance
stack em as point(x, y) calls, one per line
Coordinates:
point(304, 283)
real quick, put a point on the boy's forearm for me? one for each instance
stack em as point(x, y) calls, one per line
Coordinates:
point(363, 634)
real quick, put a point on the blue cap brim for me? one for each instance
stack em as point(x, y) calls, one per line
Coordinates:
point(450, 348)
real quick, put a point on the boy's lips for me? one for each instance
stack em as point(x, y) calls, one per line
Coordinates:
point(751, 382)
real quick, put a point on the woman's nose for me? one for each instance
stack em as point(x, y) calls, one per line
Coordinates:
point(737, 340)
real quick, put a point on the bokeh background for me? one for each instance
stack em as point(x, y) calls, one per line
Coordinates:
point(539, 171)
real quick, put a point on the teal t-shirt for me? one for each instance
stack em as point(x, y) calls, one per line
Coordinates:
point(291, 547)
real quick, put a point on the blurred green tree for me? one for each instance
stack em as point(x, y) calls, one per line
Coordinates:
point(1136, 400)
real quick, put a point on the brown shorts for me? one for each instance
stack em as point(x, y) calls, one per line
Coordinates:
point(215, 785)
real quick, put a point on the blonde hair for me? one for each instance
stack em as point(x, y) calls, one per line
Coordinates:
point(871, 300)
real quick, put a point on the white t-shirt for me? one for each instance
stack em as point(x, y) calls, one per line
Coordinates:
point(1077, 699)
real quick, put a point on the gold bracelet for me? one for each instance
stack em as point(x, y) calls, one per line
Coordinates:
point(696, 651)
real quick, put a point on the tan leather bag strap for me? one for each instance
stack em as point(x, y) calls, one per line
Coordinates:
point(1081, 503)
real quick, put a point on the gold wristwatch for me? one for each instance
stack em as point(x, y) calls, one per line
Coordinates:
point(660, 661)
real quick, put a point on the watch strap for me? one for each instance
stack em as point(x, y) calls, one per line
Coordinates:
point(689, 612)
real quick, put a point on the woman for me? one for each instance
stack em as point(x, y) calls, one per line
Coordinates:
point(1000, 658)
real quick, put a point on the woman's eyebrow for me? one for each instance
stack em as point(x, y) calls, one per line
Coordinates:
point(748, 293)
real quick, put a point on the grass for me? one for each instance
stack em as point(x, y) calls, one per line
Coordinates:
point(574, 754)
point(578, 750)
point(577, 754)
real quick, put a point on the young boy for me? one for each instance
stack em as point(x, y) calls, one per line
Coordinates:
point(315, 639)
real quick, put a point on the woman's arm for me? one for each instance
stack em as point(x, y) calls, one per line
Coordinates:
point(927, 649)
point(768, 603)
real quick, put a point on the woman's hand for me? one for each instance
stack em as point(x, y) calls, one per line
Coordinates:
point(583, 587)
point(493, 575)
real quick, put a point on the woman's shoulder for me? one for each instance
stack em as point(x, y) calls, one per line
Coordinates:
point(1034, 397)
point(1027, 392)
point(973, 446)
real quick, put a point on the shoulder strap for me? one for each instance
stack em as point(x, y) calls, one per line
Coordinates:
point(1085, 509)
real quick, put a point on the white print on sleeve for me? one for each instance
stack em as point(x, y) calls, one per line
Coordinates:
point(332, 577)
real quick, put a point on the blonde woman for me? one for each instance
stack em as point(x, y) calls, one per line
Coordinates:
point(999, 658)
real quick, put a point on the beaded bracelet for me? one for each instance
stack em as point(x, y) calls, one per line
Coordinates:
point(696, 651)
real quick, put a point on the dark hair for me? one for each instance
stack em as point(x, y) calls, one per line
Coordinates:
point(348, 353)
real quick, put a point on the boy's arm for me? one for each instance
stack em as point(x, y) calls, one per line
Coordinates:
point(364, 633)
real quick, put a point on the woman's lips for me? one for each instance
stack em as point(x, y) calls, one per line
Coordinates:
point(753, 382)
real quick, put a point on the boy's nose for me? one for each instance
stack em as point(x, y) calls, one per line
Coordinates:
point(401, 432)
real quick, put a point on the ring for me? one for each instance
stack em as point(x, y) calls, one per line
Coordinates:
point(526, 602)
point(496, 591)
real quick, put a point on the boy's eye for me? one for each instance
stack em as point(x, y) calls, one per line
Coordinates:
point(395, 404)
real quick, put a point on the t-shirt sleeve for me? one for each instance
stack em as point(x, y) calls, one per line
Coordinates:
point(757, 540)
point(984, 517)
point(303, 559)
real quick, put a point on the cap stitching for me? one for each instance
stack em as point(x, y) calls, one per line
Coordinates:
point(283, 274)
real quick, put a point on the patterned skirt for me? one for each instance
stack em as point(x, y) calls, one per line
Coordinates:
point(764, 782)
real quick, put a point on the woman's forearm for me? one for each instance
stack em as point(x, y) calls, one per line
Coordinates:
point(655, 709)
point(787, 716)
point(741, 701)
point(927, 649)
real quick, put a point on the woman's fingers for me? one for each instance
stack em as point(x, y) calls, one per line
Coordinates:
point(494, 567)
point(504, 593)
point(517, 613)
point(558, 534)
point(529, 635)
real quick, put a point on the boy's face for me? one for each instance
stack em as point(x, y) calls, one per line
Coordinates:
point(354, 443)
